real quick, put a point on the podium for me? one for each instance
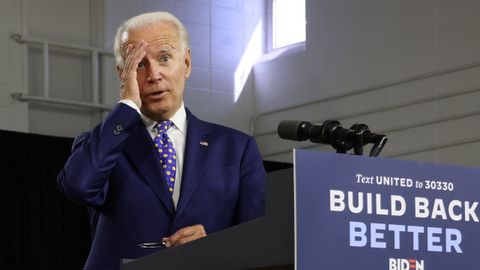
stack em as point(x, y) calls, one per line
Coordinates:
point(263, 243)
point(348, 212)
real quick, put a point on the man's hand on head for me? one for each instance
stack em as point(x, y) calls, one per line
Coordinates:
point(128, 75)
point(185, 235)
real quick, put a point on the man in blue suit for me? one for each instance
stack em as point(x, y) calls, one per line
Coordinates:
point(152, 171)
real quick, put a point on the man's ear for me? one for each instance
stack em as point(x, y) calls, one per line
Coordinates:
point(188, 63)
point(119, 72)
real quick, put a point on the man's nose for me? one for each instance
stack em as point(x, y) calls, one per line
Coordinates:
point(154, 72)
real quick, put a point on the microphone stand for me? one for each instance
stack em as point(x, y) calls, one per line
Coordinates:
point(357, 137)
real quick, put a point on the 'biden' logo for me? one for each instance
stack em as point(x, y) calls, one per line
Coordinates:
point(405, 264)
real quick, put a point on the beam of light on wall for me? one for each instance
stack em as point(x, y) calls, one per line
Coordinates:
point(253, 51)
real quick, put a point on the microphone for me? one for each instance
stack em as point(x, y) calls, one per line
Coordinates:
point(327, 132)
point(331, 132)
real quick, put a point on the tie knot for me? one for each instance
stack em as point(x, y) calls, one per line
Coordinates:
point(163, 126)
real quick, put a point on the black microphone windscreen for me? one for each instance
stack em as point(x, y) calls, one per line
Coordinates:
point(289, 130)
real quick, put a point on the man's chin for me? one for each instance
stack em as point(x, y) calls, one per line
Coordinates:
point(158, 111)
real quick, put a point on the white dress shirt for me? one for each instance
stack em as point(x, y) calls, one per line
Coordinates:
point(177, 133)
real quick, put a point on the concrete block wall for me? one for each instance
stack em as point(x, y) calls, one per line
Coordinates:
point(13, 115)
point(220, 32)
point(22, 67)
point(408, 69)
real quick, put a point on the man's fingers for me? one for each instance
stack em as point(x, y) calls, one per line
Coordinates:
point(128, 76)
point(185, 240)
point(185, 235)
point(134, 56)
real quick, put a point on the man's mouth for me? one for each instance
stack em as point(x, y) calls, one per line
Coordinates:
point(157, 93)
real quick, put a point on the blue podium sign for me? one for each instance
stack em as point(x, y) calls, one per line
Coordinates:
point(363, 213)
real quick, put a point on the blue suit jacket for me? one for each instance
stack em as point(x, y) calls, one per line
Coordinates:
point(115, 171)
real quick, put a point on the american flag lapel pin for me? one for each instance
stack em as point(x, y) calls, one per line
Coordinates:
point(204, 143)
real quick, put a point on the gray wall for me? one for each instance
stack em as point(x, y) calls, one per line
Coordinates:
point(410, 69)
point(21, 67)
point(406, 68)
point(220, 33)
point(13, 116)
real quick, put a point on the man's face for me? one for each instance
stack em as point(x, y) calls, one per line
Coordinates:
point(162, 72)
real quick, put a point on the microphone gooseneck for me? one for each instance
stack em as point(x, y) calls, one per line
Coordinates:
point(331, 132)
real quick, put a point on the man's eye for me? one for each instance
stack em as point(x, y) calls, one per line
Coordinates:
point(141, 65)
point(164, 58)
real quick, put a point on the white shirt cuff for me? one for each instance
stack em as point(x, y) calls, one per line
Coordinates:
point(131, 104)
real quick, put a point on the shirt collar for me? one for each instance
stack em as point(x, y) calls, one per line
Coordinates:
point(179, 119)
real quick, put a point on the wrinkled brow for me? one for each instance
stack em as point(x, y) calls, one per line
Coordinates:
point(164, 48)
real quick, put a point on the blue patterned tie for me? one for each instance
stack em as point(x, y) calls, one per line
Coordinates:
point(168, 157)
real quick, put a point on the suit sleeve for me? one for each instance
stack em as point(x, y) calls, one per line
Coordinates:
point(252, 184)
point(84, 178)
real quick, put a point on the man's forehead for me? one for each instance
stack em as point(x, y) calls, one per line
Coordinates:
point(163, 44)
point(152, 32)
point(161, 35)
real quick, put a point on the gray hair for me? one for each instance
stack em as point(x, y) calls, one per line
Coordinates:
point(143, 20)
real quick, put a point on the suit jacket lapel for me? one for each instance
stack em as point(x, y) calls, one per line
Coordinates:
point(141, 152)
point(196, 151)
